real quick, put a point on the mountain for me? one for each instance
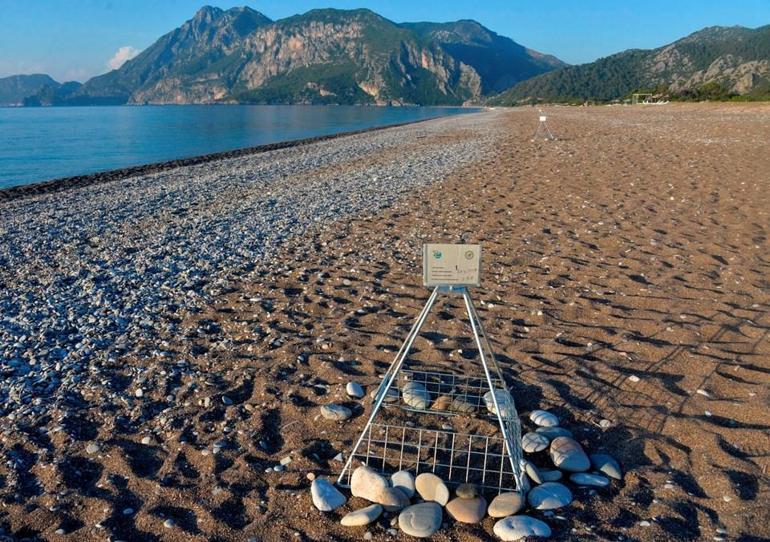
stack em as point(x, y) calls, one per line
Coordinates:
point(322, 56)
point(15, 88)
point(715, 62)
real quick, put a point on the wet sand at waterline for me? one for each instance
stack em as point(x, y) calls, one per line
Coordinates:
point(625, 280)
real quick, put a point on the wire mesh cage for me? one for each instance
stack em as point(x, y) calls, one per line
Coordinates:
point(448, 394)
point(461, 425)
point(455, 457)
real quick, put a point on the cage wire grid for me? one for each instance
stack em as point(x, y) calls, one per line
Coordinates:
point(489, 456)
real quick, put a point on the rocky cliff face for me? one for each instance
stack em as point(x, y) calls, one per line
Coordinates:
point(323, 56)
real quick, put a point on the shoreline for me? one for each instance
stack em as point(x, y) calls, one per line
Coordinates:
point(78, 181)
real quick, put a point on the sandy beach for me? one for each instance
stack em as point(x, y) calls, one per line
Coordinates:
point(168, 338)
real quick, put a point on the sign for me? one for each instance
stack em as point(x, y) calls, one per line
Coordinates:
point(542, 118)
point(451, 265)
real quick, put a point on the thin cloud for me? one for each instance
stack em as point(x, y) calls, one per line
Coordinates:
point(122, 55)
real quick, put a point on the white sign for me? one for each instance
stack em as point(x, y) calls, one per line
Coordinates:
point(542, 118)
point(451, 265)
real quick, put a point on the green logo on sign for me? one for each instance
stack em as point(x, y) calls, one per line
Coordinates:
point(437, 254)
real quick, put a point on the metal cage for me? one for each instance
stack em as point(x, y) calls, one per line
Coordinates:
point(481, 445)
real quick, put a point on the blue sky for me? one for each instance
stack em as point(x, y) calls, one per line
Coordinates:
point(76, 39)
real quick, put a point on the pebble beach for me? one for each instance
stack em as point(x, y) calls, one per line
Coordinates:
point(168, 340)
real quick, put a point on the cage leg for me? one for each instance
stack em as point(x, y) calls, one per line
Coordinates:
point(513, 451)
point(390, 376)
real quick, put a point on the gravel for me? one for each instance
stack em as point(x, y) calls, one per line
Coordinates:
point(91, 275)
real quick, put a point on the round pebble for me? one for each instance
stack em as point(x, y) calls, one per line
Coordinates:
point(432, 488)
point(404, 481)
point(518, 527)
point(336, 412)
point(543, 418)
point(549, 496)
point(467, 491)
point(567, 454)
point(532, 471)
point(506, 504)
point(534, 442)
point(364, 516)
point(354, 389)
point(415, 395)
point(325, 496)
point(420, 520)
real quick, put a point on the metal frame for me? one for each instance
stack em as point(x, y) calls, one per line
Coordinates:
point(544, 129)
point(507, 418)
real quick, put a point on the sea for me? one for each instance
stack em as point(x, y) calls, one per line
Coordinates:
point(40, 144)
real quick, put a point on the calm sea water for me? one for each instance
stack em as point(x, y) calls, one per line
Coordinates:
point(38, 144)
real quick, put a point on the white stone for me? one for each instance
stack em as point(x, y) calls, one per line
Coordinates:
point(364, 516)
point(534, 442)
point(415, 395)
point(532, 471)
point(432, 488)
point(567, 454)
point(367, 483)
point(518, 527)
point(336, 412)
point(354, 389)
point(326, 497)
point(421, 520)
point(543, 418)
point(506, 504)
point(504, 401)
point(549, 496)
point(404, 481)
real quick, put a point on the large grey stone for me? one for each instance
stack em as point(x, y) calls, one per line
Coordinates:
point(504, 401)
point(415, 395)
point(534, 442)
point(607, 464)
point(553, 431)
point(549, 496)
point(354, 389)
point(367, 483)
point(326, 497)
point(506, 504)
point(336, 412)
point(364, 516)
point(567, 454)
point(421, 520)
point(518, 527)
point(551, 475)
point(404, 481)
point(543, 418)
point(431, 488)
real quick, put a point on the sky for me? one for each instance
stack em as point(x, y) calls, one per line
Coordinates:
point(77, 39)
